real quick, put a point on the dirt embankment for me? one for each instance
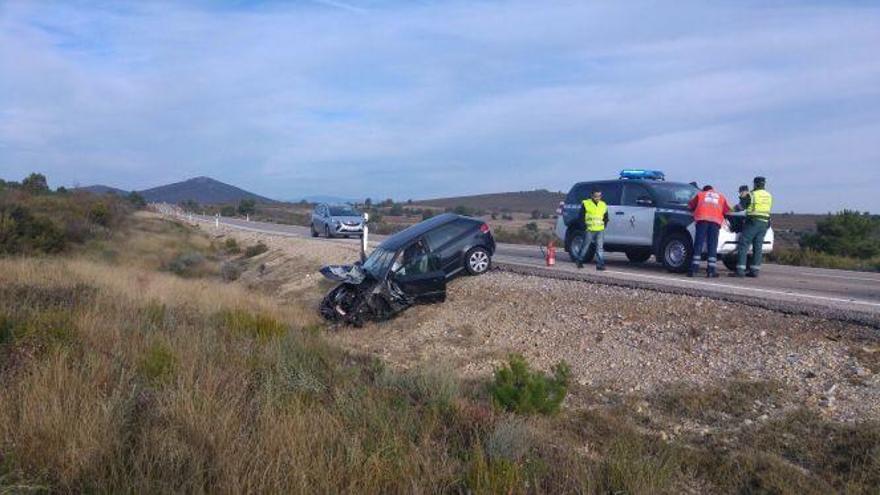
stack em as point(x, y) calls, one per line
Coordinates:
point(618, 341)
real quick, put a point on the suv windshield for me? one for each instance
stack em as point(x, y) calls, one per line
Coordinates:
point(673, 193)
point(378, 263)
point(343, 211)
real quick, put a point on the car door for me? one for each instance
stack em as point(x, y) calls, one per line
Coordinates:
point(635, 216)
point(419, 275)
point(448, 243)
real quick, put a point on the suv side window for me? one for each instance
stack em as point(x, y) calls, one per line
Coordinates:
point(633, 192)
point(610, 192)
point(444, 234)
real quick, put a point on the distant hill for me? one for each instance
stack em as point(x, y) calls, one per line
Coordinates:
point(204, 190)
point(522, 201)
point(102, 189)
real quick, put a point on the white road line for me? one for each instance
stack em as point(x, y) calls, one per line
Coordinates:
point(731, 287)
point(866, 279)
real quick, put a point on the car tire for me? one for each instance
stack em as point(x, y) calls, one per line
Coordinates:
point(314, 230)
point(574, 244)
point(638, 255)
point(676, 252)
point(477, 261)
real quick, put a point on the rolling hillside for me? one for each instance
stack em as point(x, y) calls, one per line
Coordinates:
point(102, 189)
point(522, 201)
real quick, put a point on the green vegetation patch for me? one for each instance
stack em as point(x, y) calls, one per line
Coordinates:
point(254, 325)
point(255, 250)
point(158, 364)
point(518, 389)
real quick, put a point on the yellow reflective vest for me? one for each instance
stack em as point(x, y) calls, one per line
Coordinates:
point(594, 215)
point(760, 205)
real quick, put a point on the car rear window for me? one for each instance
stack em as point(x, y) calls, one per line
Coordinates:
point(439, 237)
point(582, 191)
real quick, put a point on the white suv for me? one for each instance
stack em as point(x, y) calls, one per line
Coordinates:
point(647, 216)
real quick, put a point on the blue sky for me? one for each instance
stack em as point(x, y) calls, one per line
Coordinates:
point(422, 99)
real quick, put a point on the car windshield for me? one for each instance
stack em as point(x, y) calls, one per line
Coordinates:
point(379, 261)
point(343, 211)
point(672, 193)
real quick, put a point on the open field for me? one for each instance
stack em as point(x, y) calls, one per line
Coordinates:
point(124, 371)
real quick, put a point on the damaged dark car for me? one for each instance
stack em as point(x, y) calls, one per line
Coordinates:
point(410, 267)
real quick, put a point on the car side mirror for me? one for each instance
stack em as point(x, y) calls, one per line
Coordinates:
point(645, 201)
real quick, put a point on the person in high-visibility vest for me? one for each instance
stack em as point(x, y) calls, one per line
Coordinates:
point(757, 205)
point(709, 207)
point(595, 213)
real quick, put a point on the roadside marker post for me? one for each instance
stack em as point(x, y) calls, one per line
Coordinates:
point(217, 221)
point(364, 237)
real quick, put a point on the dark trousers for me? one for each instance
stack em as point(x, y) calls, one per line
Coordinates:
point(706, 234)
point(751, 236)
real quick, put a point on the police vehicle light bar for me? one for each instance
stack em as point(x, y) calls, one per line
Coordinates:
point(636, 173)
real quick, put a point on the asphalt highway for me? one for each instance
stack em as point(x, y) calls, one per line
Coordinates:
point(847, 294)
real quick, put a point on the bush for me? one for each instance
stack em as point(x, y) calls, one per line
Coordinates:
point(231, 246)
point(230, 271)
point(186, 264)
point(848, 233)
point(256, 249)
point(21, 232)
point(518, 389)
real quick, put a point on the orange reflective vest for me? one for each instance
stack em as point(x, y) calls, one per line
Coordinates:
point(709, 206)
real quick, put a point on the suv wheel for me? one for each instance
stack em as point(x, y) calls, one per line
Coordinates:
point(314, 230)
point(575, 244)
point(677, 251)
point(638, 255)
point(477, 261)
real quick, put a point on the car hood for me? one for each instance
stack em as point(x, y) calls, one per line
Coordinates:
point(348, 219)
point(350, 274)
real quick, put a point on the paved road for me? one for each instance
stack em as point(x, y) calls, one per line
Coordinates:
point(839, 290)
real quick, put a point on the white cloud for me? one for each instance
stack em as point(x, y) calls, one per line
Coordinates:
point(409, 100)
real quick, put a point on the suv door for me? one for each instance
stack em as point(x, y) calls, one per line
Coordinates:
point(634, 219)
point(446, 241)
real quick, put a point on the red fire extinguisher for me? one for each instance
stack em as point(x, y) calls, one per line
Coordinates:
point(551, 254)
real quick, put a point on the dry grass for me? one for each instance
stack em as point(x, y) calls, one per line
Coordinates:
point(117, 376)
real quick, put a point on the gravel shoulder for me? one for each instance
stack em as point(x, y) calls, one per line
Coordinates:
point(620, 341)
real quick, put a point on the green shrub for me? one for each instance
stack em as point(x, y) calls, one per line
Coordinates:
point(186, 264)
point(518, 389)
point(21, 232)
point(231, 246)
point(847, 233)
point(257, 326)
point(158, 364)
point(100, 214)
point(256, 249)
point(230, 271)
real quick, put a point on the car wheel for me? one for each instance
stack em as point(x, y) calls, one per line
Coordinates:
point(314, 230)
point(638, 255)
point(677, 251)
point(575, 244)
point(477, 261)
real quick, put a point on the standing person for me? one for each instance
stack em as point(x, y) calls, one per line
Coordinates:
point(757, 205)
point(595, 213)
point(709, 207)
